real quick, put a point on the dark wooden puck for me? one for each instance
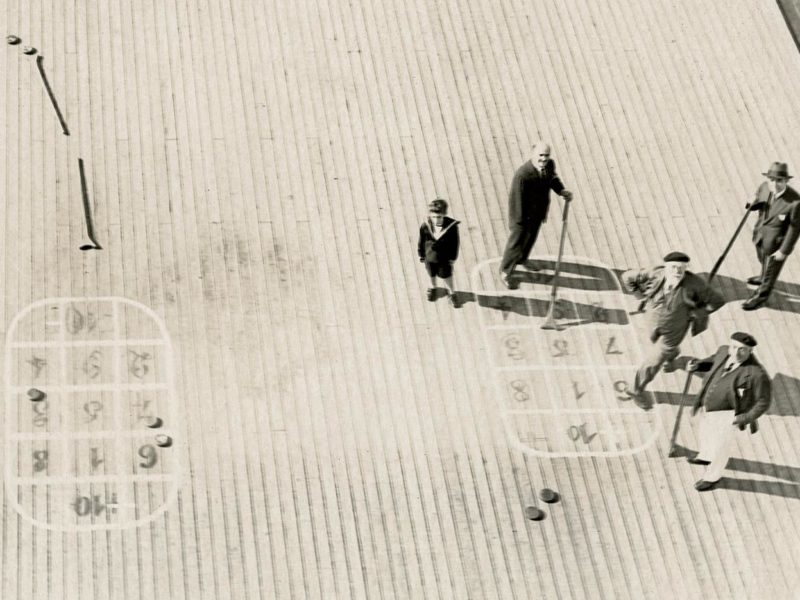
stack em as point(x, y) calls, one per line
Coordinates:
point(534, 514)
point(164, 441)
point(36, 395)
point(13, 40)
point(154, 422)
point(548, 495)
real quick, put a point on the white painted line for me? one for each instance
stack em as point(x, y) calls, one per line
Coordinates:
point(89, 435)
point(78, 479)
point(119, 342)
point(590, 367)
point(93, 387)
point(574, 411)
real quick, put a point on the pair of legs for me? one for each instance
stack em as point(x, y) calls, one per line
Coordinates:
point(519, 245)
point(770, 270)
point(716, 437)
point(658, 355)
point(443, 271)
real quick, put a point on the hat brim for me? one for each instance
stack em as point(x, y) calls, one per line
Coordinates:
point(787, 176)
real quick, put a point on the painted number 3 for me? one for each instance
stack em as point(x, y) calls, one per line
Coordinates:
point(513, 346)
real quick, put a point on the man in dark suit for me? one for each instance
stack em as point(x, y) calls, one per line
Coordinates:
point(528, 202)
point(677, 300)
point(736, 391)
point(776, 230)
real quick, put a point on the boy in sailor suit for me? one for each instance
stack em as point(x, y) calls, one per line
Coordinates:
point(438, 248)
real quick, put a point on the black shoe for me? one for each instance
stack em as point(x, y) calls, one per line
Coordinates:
point(703, 485)
point(753, 303)
point(431, 294)
point(698, 461)
point(506, 279)
point(754, 280)
point(453, 299)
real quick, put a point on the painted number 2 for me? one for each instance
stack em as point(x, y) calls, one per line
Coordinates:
point(559, 348)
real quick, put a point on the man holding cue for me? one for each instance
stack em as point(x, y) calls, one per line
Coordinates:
point(528, 202)
point(776, 231)
point(736, 391)
point(677, 299)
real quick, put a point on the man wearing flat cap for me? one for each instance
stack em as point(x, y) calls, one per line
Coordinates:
point(736, 391)
point(776, 231)
point(528, 203)
point(676, 299)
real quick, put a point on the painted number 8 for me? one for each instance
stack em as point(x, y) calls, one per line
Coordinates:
point(520, 393)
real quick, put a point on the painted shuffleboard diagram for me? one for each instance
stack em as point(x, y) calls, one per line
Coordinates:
point(562, 392)
point(90, 414)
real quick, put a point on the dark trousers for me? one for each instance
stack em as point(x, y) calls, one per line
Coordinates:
point(519, 245)
point(770, 269)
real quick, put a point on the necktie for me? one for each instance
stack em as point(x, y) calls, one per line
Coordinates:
point(729, 368)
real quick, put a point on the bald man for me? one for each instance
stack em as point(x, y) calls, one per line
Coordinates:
point(528, 202)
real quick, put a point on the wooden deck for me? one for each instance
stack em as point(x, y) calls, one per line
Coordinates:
point(257, 172)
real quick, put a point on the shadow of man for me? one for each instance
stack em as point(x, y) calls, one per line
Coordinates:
point(576, 276)
point(761, 486)
point(785, 296)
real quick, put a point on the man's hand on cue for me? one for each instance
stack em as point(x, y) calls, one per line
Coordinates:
point(778, 255)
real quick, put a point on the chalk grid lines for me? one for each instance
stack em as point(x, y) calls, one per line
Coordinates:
point(258, 171)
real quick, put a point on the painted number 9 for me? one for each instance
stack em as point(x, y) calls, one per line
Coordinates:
point(150, 455)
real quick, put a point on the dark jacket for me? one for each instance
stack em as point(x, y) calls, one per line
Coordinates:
point(777, 226)
point(529, 197)
point(691, 302)
point(442, 250)
point(748, 389)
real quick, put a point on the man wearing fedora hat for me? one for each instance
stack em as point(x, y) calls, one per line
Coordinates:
point(776, 230)
point(736, 391)
point(677, 300)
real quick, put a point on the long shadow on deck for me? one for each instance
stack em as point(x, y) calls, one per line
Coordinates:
point(761, 486)
point(568, 313)
point(785, 296)
point(757, 467)
point(787, 488)
point(785, 396)
point(584, 277)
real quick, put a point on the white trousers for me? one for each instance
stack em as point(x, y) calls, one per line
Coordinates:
point(716, 437)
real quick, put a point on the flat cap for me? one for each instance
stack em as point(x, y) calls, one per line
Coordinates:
point(744, 338)
point(438, 206)
point(676, 257)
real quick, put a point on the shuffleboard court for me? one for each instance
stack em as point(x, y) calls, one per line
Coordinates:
point(562, 393)
point(83, 457)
